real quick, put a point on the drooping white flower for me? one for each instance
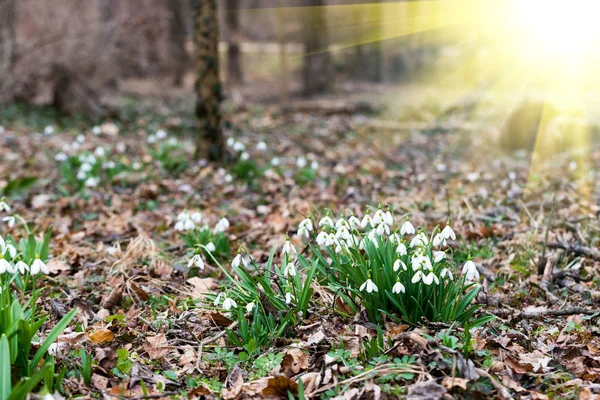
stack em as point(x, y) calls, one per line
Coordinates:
point(136, 165)
point(430, 278)
point(61, 157)
point(378, 218)
point(401, 249)
point(217, 299)
point(250, 306)
point(99, 152)
point(398, 264)
point(420, 261)
point(438, 256)
point(301, 162)
point(448, 233)
point(407, 228)
point(109, 164)
point(417, 277)
point(239, 260)
point(4, 206)
point(326, 220)
point(330, 240)
point(5, 266)
point(343, 233)
point(161, 134)
point(21, 267)
point(81, 175)
point(230, 142)
point(445, 272)
point(369, 285)
point(388, 218)
point(261, 146)
point(86, 167)
point(383, 228)
point(439, 241)
point(10, 221)
point(288, 248)
point(275, 161)
point(244, 156)
point(221, 225)
point(228, 304)
point(48, 130)
point(470, 271)
point(322, 238)
point(288, 298)
point(196, 261)
point(96, 130)
point(367, 220)
point(80, 138)
point(354, 222)
point(419, 240)
point(239, 147)
point(398, 288)
point(395, 238)
point(305, 227)
point(314, 165)
point(289, 269)
point(39, 266)
point(92, 181)
point(196, 217)
point(210, 247)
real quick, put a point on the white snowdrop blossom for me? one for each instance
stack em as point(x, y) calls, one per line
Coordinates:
point(288, 248)
point(326, 220)
point(382, 228)
point(378, 217)
point(151, 139)
point(21, 267)
point(228, 304)
point(438, 256)
point(136, 165)
point(4, 206)
point(86, 167)
point(354, 222)
point(92, 182)
point(398, 288)
point(96, 130)
point(5, 266)
point(419, 240)
point(99, 152)
point(244, 156)
point(275, 161)
point(184, 222)
point(288, 298)
point(417, 277)
point(289, 270)
point(301, 162)
point(222, 225)
point(445, 272)
point(239, 147)
point(39, 266)
point(161, 134)
point(61, 157)
point(230, 142)
point(250, 306)
point(343, 233)
point(261, 146)
point(430, 278)
point(407, 228)
point(399, 264)
point(81, 175)
point(239, 260)
point(217, 300)
point(305, 227)
point(470, 271)
point(196, 217)
point(388, 218)
point(369, 285)
point(439, 241)
point(10, 221)
point(210, 247)
point(448, 233)
point(80, 138)
point(367, 220)
point(401, 249)
point(314, 165)
point(48, 130)
point(228, 178)
point(196, 261)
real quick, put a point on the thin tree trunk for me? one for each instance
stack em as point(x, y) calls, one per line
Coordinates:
point(8, 47)
point(317, 61)
point(234, 55)
point(177, 24)
point(208, 85)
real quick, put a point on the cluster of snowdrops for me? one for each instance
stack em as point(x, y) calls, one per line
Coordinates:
point(375, 263)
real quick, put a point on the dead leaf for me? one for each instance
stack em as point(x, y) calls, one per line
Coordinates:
point(233, 383)
point(279, 386)
point(294, 361)
point(56, 266)
point(156, 346)
point(101, 336)
point(429, 390)
point(202, 286)
point(449, 382)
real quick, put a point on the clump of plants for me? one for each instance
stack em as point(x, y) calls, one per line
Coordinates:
point(201, 239)
point(168, 152)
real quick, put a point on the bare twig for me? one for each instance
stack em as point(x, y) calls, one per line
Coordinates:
point(576, 249)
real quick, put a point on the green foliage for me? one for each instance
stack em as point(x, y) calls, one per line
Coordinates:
point(171, 156)
point(198, 239)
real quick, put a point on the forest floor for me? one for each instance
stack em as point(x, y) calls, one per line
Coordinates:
point(117, 256)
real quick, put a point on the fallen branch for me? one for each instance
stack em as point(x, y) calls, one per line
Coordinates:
point(576, 249)
point(539, 312)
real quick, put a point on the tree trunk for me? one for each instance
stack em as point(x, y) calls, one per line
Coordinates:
point(8, 45)
point(234, 55)
point(282, 39)
point(208, 85)
point(317, 61)
point(177, 24)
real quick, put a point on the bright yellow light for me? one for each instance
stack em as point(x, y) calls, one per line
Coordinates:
point(559, 27)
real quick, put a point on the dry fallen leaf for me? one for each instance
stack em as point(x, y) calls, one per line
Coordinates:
point(202, 286)
point(156, 346)
point(101, 336)
point(294, 361)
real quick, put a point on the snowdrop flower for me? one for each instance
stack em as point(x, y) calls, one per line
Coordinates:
point(383, 228)
point(430, 278)
point(239, 147)
point(210, 247)
point(378, 217)
point(38, 266)
point(421, 261)
point(322, 238)
point(196, 217)
point(448, 233)
point(398, 288)
point(401, 249)
point(354, 222)
point(4, 206)
point(75, 145)
point(419, 240)
point(388, 218)
point(80, 138)
point(196, 261)
point(439, 241)
point(86, 167)
point(10, 221)
point(289, 270)
point(250, 306)
point(245, 156)
point(407, 228)
point(136, 165)
point(81, 175)
point(230, 142)
point(217, 299)
point(161, 134)
point(288, 248)
point(228, 304)
point(438, 256)
point(92, 182)
point(445, 272)
point(326, 220)
point(301, 162)
point(48, 130)
point(261, 146)
point(470, 271)
point(221, 225)
point(96, 130)
point(275, 161)
point(314, 165)
point(61, 157)
point(4, 248)
point(395, 238)
point(239, 260)
point(172, 142)
point(99, 152)
point(417, 277)
point(305, 227)
point(228, 178)
point(288, 298)
point(5, 265)
point(369, 285)
point(21, 267)
point(343, 233)
point(399, 263)
point(367, 220)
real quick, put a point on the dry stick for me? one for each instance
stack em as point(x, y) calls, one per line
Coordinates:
point(218, 335)
point(576, 249)
point(544, 312)
point(547, 279)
